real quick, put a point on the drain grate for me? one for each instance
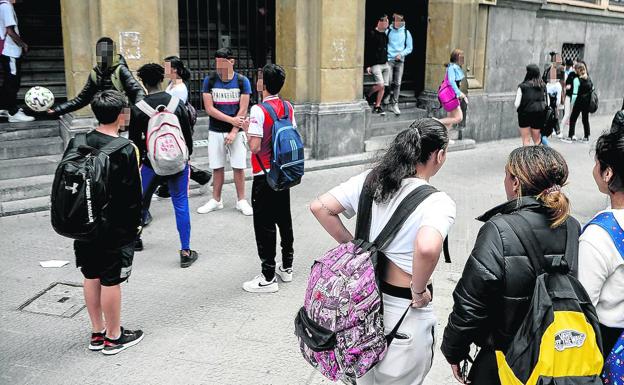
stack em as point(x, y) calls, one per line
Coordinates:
point(60, 299)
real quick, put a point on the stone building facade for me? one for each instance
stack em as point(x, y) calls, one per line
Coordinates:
point(321, 45)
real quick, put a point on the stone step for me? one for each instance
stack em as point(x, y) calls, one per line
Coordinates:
point(390, 127)
point(24, 206)
point(380, 143)
point(25, 188)
point(39, 123)
point(27, 167)
point(26, 148)
point(29, 133)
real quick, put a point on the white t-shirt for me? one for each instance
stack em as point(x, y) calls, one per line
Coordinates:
point(601, 271)
point(437, 211)
point(8, 18)
point(179, 90)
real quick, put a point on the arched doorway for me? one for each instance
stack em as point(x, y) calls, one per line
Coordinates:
point(416, 20)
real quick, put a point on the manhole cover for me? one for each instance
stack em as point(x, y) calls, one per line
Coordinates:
point(59, 299)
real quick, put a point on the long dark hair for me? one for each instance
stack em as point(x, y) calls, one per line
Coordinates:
point(178, 65)
point(410, 147)
point(533, 76)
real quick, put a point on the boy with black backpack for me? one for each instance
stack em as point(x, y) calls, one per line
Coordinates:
point(96, 199)
point(270, 192)
point(160, 127)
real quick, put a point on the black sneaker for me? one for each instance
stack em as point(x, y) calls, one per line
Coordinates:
point(163, 191)
point(97, 341)
point(379, 110)
point(138, 245)
point(127, 339)
point(187, 257)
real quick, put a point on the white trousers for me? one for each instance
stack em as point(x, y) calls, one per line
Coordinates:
point(410, 355)
point(567, 112)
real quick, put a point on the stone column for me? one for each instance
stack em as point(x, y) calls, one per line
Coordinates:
point(144, 31)
point(321, 45)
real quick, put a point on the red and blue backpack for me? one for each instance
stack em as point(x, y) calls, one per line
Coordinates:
point(287, 151)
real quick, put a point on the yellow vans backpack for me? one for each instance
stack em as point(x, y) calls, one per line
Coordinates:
point(559, 341)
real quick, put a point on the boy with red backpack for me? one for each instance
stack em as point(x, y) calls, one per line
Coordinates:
point(270, 192)
point(160, 128)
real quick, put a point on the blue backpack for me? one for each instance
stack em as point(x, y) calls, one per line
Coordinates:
point(287, 155)
point(613, 371)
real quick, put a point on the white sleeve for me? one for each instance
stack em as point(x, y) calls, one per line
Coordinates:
point(294, 122)
point(7, 18)
point(518, 98)
point(348, 193)
point(439, 212)
point(592, 270)
point(256, 122)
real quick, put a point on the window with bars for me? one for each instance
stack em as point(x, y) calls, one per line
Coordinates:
point(572, 51)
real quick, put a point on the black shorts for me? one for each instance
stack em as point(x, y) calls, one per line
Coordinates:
point(111, 266)
point(532, 119)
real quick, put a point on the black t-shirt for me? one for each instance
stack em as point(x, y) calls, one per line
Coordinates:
point(376, 51)
point(124, 210)
point(570, 82)
point(533, 97)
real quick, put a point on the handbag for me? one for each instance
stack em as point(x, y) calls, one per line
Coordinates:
point(446, 95)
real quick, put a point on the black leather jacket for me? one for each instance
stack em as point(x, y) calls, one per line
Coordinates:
point(131, 87)
point(618, 122)
point(493, 295)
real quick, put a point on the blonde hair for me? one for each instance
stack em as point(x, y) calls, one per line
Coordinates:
point(541, 172)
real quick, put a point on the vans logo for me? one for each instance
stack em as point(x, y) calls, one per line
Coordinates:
point(73, 188)
point(567, 339)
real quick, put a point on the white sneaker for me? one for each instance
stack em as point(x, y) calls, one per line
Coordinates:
point(395, 109)
point(244, 207)
point(20, 116)
point(284, 274)
point(212, 205)
point(261, 285)
point(4, 113)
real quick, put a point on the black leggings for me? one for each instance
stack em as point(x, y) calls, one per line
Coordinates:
point(576, 111)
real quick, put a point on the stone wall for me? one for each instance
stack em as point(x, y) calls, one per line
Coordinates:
point(520, 33)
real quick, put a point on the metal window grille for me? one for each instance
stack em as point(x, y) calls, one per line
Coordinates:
point(572, 51)
point(245, 26)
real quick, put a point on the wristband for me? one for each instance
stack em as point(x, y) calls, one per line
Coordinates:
point(417, 293)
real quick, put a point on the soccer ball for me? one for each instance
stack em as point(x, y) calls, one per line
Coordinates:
point(39, 99)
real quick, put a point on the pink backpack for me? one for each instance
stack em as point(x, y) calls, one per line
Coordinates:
point(166, 147)
point(446, 95)
point(340, 327)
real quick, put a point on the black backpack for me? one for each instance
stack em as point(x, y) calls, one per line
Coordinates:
point(80, 191)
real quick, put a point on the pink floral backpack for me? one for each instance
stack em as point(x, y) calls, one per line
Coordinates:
point(340, 327)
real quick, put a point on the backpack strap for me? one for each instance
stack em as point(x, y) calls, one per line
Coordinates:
point(115, 145)
point(609, 224)
point(270, 110)
point(80, 140)
point(146, 108)
point(116, 79)
point(173, 104)
point(524, 231)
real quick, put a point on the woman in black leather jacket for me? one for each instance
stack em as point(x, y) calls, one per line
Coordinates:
point(495, 290)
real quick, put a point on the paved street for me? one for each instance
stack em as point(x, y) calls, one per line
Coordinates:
point(201, 327)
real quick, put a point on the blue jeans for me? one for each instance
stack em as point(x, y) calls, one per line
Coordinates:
point(178, 188)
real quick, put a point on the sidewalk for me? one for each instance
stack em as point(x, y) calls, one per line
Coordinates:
point(201, 327)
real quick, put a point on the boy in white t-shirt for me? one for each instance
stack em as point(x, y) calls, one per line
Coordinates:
point(413, 158)
point(11, 48)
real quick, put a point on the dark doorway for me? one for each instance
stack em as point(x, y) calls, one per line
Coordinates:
point(44, 65)
point(416, 19)
point(246, 26)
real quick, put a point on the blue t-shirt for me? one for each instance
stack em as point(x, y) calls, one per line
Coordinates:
point(226, 98)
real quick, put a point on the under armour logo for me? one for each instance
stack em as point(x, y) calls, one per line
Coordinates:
point(73, 188)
